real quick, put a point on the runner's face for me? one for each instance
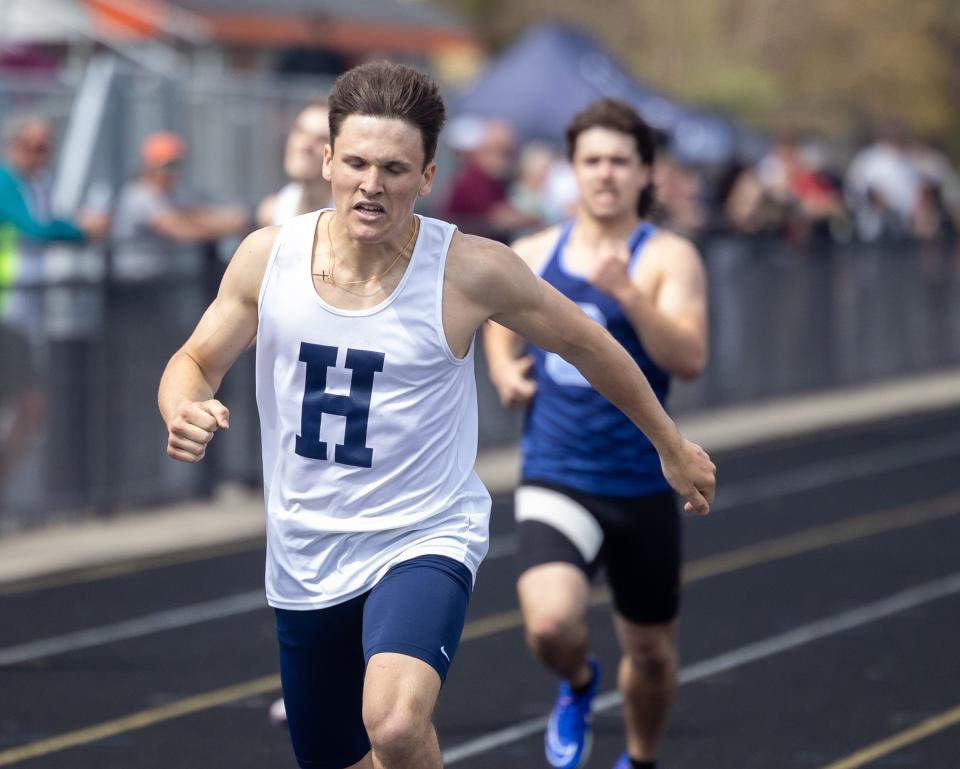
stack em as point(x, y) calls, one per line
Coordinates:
point(303, 161)
point(376, 173)
point(610, 174)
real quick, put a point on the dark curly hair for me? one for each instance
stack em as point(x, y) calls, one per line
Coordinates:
point(621, 117)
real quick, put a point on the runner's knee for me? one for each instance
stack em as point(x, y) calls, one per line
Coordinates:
point(548, 630)
point(395, 729)
point(653, 653)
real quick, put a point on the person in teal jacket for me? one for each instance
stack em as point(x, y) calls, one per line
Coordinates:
point(26, 221)
point(26, 226)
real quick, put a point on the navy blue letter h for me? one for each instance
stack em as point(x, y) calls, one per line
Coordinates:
point(355, 407)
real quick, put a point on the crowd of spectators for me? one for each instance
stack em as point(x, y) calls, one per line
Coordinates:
point(893, 188)
point(154, 232)
point(27, 225)
point(158, 233)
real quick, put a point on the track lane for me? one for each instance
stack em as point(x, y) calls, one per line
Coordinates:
point(464, 701)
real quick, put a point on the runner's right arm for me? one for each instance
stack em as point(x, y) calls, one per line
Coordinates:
point(510, 374)
point(227, 328)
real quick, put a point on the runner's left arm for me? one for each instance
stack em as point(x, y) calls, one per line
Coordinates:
point(528, 306)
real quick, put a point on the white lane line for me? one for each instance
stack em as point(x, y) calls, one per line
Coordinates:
point(809, 478)
point(820, 474)
point(134, 628)
point(768, 647)
point(771, 487)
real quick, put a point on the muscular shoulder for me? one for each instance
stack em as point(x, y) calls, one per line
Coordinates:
point(535, 249)
point(249, 264)
point(477, 265)
point(487, 273)
point(672, 253)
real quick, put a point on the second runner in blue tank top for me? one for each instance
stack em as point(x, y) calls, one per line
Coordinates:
point(572, 435)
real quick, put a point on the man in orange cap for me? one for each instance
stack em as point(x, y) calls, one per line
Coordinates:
point(158, 270)
point(149, 224)
point(161, 149)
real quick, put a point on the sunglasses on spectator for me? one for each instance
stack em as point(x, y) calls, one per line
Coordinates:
point(37, 148)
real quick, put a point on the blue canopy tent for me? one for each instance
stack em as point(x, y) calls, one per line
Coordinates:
point(553, 72)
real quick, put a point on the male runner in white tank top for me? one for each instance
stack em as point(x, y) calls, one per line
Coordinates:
point(364, 321)
point(307, 189)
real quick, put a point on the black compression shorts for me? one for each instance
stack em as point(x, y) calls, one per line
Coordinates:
point(638, 541)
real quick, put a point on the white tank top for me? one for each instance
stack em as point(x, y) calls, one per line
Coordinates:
point(369, 428)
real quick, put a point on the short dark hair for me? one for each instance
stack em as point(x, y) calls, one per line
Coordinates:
point(618, 116)
point(383, 89)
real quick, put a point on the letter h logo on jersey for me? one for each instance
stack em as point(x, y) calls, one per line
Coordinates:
point(355, 407)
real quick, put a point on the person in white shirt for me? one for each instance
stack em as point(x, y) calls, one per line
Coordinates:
point(307, 190)
point(883, 187)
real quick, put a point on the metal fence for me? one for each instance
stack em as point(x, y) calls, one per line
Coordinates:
point(784, 320)
point(78, 426)
point(234, 126)
point(79, 430)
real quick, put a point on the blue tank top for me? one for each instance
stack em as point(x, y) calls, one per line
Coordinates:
point(573, 436)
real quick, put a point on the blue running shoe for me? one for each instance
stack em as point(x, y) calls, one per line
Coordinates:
point(569, 730)
point(623, 762)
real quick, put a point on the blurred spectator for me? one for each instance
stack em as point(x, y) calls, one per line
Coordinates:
point(937, 214)
point(307, 190)
point(26, 226)
point(149, 225)
point(749, 209)
point(546, 186)
point(26, 219)
point(821, 213)
point(788, 192)
point(883, 187)
point(478, 202)
point(528, 192)
point(23, 400)
point(158, 287)
point(560, 192)
point(679, 205)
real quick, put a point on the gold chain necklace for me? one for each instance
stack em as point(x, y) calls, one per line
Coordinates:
point(324, 276)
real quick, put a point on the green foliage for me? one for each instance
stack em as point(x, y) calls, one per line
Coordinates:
point(751, 92)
